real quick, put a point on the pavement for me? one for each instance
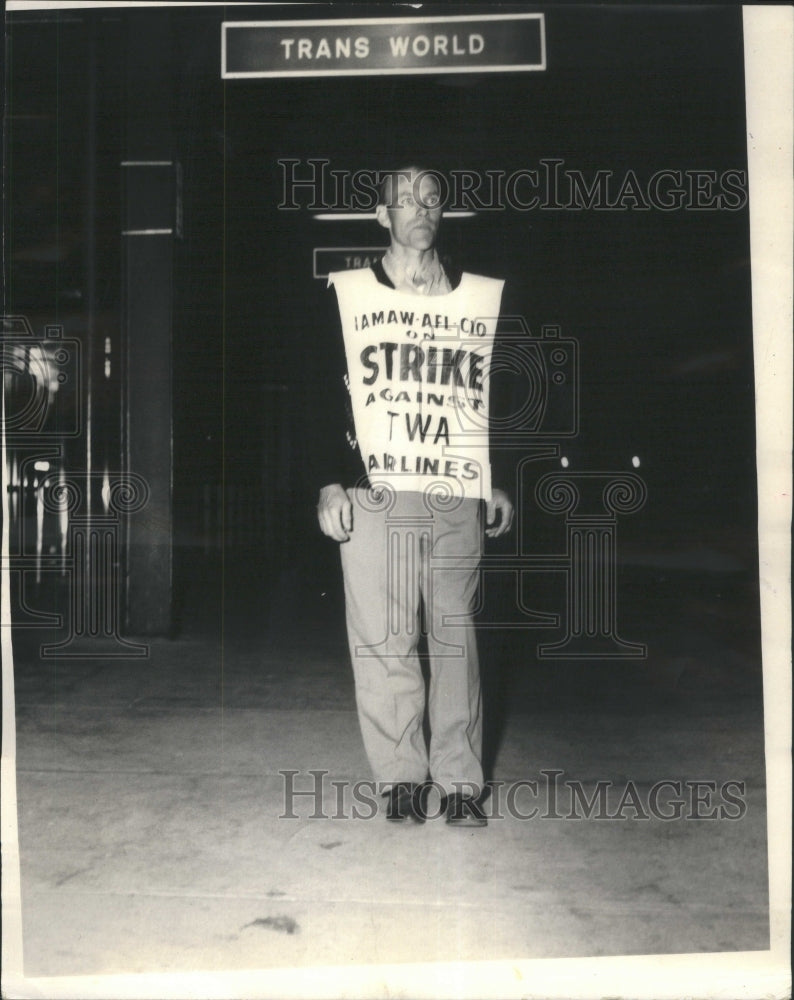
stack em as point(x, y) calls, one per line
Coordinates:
point(157, 831)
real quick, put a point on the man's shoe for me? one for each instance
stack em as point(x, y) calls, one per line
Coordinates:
point(463, 810)
point(403, 800)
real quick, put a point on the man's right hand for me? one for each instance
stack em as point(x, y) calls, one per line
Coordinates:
point(335, 513)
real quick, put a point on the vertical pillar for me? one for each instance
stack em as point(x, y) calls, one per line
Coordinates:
point(409, 544)
point(591, 502)
point(592, 592)
point(92, 561)
point(147, 272)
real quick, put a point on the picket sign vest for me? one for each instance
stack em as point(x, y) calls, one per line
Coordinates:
point(418, 369)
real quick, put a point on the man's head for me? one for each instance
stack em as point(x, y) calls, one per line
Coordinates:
point(410, 206)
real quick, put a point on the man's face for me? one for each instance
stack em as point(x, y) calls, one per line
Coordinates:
point(413, 211)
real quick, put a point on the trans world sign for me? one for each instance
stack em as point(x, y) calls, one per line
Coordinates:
point(491, 43)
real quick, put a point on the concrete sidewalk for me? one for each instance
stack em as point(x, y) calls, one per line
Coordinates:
point(151, 840)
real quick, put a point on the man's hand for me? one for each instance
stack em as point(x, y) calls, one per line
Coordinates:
point(499, 502)
point(335, 513)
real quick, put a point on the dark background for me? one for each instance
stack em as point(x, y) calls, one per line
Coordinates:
point(659, 302)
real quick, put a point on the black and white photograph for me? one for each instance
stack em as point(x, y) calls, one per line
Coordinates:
point(396, 464)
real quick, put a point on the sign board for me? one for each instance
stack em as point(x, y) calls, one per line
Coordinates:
point(327, 259)
point(490, 43)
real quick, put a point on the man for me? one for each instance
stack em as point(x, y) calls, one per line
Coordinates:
point(406, 502)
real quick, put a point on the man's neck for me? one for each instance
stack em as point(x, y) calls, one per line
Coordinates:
point(409, 258)
point(417, 271)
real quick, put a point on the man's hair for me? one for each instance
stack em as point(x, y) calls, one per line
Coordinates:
point(387, 187)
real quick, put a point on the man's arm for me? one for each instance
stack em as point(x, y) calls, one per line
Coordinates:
point(500, 504)
point(503, 393)
point(335, 512)
point(333, 462)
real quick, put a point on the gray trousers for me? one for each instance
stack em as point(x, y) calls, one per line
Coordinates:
point(408, 552)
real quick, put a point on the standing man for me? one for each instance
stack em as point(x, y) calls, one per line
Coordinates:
point(404, 497)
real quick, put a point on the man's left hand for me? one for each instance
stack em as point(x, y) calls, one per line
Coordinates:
point(499, 504)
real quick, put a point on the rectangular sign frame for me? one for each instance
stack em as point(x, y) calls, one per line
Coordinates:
point(361, 252)
point(407, 24)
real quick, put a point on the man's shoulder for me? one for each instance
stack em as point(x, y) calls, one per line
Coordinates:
point(482, 281)
point(481, 277)
point(352, 278)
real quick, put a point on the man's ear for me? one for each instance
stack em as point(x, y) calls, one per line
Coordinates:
point(382, 215)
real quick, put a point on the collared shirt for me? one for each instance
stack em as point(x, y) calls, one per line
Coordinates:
point(430, 279)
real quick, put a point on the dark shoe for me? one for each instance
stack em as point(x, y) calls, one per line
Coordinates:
point(404, 800)
point(463, 810)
